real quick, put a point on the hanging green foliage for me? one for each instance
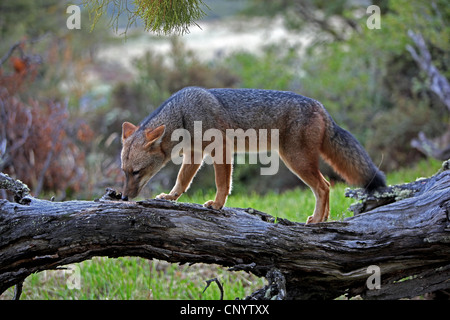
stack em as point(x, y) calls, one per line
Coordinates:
point(162, 17)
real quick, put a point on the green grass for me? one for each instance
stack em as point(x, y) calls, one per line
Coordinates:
point(136, 278)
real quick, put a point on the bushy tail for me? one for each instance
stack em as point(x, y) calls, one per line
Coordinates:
point(345, 154)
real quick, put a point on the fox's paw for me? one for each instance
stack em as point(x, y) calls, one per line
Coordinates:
point(213, 204)
point(166, 196)
point(311, 220)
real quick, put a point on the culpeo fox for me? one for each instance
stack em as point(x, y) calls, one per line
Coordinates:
point(305, 130)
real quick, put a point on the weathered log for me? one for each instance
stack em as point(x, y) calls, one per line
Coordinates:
point(390, 194)
point(407, 240)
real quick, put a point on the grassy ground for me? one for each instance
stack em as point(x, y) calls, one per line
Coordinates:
point(136, 278)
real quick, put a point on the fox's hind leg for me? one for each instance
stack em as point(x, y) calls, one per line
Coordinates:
point(223, 174)
point(223, 171)
point(306, 166)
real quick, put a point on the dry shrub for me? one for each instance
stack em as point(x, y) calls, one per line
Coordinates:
point(38, 144)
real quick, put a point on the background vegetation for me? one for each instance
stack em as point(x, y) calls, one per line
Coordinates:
point(62, 105)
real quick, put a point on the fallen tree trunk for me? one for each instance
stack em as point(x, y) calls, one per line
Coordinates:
point(402, 247)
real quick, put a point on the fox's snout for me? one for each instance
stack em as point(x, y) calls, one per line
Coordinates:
point(126, 195)
point(130, 189)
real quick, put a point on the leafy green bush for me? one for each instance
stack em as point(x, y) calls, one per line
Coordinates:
point(275, 68)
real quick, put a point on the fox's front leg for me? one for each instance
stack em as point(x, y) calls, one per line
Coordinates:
point(184, 178)
point(223, 174)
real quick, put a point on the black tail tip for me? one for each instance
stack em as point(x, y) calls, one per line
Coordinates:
point(377, 181)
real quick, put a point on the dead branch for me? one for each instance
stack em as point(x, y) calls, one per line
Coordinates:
point(441, 87)
point(438, 83)
point(432, 149)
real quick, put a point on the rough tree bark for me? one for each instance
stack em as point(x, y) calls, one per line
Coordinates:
point(407, 237)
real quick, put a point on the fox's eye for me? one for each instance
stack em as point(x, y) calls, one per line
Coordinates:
point(136, 172)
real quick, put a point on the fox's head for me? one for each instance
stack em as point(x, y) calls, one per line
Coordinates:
point(142, 156)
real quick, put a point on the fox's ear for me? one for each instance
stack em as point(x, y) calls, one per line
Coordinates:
point(154, 137)
point(128, 129)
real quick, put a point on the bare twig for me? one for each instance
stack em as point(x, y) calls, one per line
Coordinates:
point(11, 50)
point(18, 46)
point(208, 283)
point(18, 290)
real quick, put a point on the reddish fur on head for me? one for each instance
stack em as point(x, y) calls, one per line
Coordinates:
point(128, 129)
point(142, 156)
